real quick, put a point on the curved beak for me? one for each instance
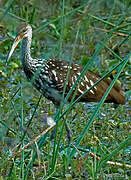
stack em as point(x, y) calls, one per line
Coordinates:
point(16, 42)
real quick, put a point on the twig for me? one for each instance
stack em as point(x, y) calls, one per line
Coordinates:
point(111, 162)
point(32, 142)
point(118, 164)
point(105, 30)
point(98, 158)
point(90, 153)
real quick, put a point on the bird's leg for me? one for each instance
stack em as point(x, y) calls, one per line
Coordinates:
point(53, 132)
point(115, 105)
point(68, 131)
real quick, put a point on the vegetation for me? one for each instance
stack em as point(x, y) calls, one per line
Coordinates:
point(95, 34)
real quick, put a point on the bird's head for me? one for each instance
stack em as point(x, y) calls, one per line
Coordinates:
point(23, 31)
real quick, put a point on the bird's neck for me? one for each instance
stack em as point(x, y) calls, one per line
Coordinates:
point(25, 50)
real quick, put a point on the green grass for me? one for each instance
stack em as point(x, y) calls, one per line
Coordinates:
point(67, 30)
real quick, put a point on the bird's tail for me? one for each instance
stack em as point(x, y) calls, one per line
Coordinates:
point(117, 94)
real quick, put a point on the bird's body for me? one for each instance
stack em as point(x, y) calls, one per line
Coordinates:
point(49, 76)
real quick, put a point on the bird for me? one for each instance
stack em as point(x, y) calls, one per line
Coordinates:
point(49, 76)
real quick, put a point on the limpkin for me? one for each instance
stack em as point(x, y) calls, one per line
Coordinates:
point(49, 76)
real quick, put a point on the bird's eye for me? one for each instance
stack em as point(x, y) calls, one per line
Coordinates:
point(24, 31)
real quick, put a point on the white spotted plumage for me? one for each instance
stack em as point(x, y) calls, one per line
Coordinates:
point(49, 76)
point(92, 83)
point(86, 79)
point(80, 91)
point(92, 91)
